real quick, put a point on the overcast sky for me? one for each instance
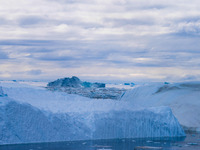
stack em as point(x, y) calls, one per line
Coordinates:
point(130, 40)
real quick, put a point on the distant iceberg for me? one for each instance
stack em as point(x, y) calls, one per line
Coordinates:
point(74, 82)
point(95, 90)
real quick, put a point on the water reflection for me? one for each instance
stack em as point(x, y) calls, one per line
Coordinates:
point(114, 144)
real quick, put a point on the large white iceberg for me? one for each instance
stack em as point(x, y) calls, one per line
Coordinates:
point(36, 115)
point(182, 98)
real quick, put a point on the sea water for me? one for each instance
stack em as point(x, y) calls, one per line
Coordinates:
point(192, 141)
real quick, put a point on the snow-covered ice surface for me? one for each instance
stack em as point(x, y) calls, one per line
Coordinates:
point(182, 98)
point(33, 114)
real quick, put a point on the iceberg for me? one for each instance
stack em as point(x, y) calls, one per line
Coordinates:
point(30, 114)
point(182, 98)
point(23, 123)
point(87, 89)
point(74, 82)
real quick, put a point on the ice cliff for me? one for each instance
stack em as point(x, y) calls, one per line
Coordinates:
point(23, 123)
point(36, 115)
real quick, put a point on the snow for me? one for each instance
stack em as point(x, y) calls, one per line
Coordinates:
point(119, 86)
point(182, 98)
point(34, 114)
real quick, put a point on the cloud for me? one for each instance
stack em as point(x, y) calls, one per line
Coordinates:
point(3, 55)
point(26, 42)
point(4, 21)
point(113, 38)
point(31, 20)
point(133, 21)
point(34, 72)
point(189, 29)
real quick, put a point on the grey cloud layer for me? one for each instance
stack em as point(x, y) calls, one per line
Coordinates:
point(113, 34)
point(3, 55)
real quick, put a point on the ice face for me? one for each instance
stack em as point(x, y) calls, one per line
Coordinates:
point(135, 124)
point(23, 123)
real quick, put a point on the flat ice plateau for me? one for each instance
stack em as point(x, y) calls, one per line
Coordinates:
point(182, 98)
point(33, 114)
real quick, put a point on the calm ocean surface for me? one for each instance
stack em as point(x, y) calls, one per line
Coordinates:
point(191, 142)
